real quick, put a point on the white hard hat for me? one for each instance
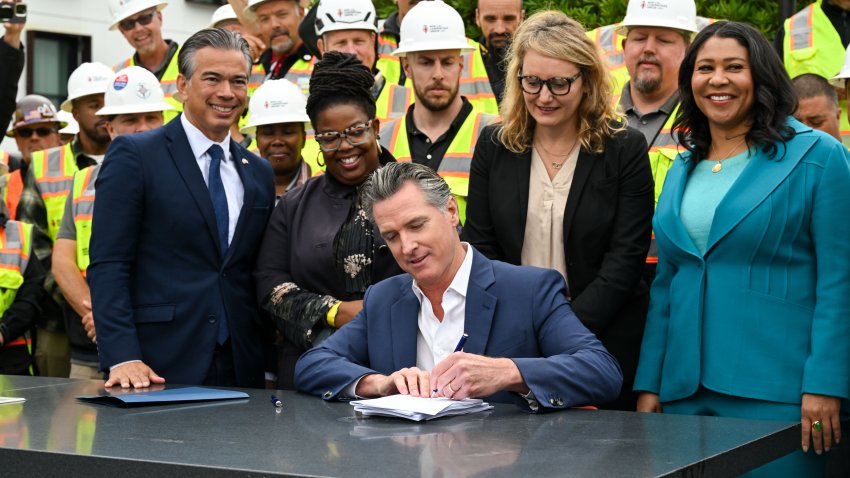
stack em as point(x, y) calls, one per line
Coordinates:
point(87, 79)
point(432, 25)
point(121, 9)
point(73, 127)
point(222, 14)
point(334, 15)
point(133, 90)
point(276, 101)
point(253, 4)
point(845, 68)
point(678, 14)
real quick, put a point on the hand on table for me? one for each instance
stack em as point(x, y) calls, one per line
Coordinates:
point(462, 375)
point(135, 374)
point(407, 381)
point(826, 410)
point(649, 402)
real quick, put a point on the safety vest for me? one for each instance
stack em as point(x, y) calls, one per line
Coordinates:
point(4, 159)
point(82, 207)
point(300, 72)
point(662, 152)
point(12, 192)
point(15, 250)
point(812, 45)
point(54, 170)
point(388, 64)
point(454, 167)
point(393, 101)
point(168, 83)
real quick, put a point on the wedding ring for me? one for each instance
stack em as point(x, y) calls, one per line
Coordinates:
point(449, 386)
point(817, 425)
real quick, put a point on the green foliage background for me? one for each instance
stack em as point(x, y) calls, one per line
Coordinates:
point(762, 14)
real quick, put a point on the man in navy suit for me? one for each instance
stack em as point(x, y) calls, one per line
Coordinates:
point(525, 344)
point(180, 211)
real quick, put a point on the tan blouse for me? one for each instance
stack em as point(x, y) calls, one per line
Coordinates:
point(543, 244)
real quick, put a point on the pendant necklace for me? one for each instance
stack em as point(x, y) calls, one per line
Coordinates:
point(719, 166)
point(555, 164)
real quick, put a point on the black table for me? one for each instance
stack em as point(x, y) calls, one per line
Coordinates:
point(53, 434)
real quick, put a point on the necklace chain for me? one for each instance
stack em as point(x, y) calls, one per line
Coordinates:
point(556, 164)
point(719, 166)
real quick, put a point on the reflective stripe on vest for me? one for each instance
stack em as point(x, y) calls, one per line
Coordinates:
point(15, 249)
point(454, 167)
point(388, 64)
point(256, 78)
point(393, 101)
point(4, 158)
point(812, 45)
point(662, 152)
point(82, 207)
point(54, 170)
point(168, 83)
point(12, 192)
point(299, 73)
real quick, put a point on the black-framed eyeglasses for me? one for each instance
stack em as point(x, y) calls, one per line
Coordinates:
point(558, 85)
point(28, 132)
point(130, 23)
point(329, 141)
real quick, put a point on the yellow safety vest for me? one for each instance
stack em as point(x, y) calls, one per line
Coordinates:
point(662, 152)
point(82, 208)
point(812, 45)
point(4, 158)
point(54, 170)
point(15, 251)
point(393, 101)
point(454, 167)
point(168, 83)
point(300, 72)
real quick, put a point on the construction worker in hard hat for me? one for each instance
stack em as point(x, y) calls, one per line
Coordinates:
point(814, 41)
point(498, 19)
point(140, 21)
point(278, 120)
point(134, 102)
point(351, 26)
point(441, 128)
point(286, 56)
point(34, 127)
point(41, 188)
point(21, 289)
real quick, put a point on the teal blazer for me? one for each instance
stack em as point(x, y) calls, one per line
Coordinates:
point(765, 312)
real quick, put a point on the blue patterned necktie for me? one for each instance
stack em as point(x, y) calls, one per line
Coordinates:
point(222, 220)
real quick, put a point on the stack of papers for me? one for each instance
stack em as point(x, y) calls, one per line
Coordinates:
point(419, 408)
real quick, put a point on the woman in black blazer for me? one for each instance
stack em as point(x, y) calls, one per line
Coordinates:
point(591, 218)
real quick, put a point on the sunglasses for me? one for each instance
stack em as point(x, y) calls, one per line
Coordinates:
point(130, 23)
point(28, 132)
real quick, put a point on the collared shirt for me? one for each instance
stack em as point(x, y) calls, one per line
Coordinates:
point(430, 153)
point(83, 159)
point(277, 67)
point(437, 338)
point(229, 176)
point(647, 123)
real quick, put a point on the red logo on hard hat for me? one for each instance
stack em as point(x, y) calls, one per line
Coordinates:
point(642, 4)
point(266, 105)
point(424, 28)
point(339, 13)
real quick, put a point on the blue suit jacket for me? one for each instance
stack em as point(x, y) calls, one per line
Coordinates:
point(157, 276)
point(511, 311)
point(765, 312)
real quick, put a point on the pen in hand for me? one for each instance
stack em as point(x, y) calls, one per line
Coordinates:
point(458, 348)
point(276, 402)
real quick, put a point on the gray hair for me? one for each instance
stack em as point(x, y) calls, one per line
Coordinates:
point(217, 38)
point(388, 180)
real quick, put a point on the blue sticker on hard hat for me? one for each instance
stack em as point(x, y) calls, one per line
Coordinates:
point(120, 82)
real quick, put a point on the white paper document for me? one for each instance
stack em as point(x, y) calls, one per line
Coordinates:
point(419, 408)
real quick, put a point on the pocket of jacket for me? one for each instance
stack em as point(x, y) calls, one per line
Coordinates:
point(154, 313)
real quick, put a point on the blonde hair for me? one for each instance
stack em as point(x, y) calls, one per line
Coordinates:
point(555, 35)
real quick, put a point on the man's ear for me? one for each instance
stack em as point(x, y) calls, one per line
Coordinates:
point(182, 85)
point(477, 21)
point(320, 45)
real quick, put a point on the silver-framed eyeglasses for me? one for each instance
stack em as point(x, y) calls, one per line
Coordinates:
point(329, 141)
point(558, 85)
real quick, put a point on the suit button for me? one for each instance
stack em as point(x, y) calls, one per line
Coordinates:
point(552, 401)
point(211, 319)
point(327, 394)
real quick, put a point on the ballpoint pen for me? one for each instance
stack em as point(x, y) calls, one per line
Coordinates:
point(276, 402)
point(458, 348)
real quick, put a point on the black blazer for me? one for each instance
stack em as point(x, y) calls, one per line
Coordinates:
point(607, 229)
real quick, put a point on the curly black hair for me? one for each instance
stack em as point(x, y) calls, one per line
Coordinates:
point(340, 78)
point(774, 98)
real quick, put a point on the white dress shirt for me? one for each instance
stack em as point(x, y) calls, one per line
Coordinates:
point(229, 176)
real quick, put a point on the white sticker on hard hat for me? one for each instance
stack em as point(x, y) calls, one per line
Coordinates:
point(120, 82)
point(143, 92)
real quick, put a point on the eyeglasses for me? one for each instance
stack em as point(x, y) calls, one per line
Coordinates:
point(558, 85)
point(28, 132)
point(130, 23)
point(356, 135)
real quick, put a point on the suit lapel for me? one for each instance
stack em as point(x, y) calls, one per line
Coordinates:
point(669, 211)
point(184, 160)
point(522, 172)
point(404, 327)
point(584, 165)
point(758, 179)
point(249, 186)
point(480, 304)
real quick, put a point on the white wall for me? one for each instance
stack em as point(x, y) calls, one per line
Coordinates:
point(91, 18)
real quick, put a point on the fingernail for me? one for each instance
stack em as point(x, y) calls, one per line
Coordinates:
point(805, 449)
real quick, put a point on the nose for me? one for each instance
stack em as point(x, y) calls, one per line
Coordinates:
point(500, 27)
point(718, 77)
point(408, 244)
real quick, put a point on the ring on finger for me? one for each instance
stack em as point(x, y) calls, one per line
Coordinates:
point(449, 386)
point(817, 425)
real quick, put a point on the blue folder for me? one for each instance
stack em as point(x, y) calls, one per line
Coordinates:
point(164, 397)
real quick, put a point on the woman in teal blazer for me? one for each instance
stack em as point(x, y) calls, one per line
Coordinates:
point(750, 311)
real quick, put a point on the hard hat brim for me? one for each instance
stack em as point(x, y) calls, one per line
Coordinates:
point(251, 127)
point(68, 104)
point(131, 109)
point(11, 131)
point(402, 51)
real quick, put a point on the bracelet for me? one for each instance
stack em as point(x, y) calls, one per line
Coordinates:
point(331, 317)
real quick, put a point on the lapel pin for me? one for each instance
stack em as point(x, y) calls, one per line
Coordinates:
point(244, 161)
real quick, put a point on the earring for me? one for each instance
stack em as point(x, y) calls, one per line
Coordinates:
point(378, 144)
point(319, 158)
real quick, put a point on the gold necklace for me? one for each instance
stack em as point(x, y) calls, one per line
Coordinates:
point(719, 166)
point(555, 164)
